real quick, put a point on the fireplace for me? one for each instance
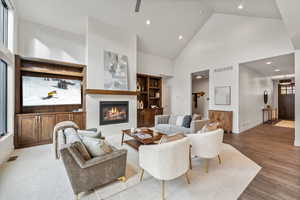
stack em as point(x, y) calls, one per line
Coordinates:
point(113, 112)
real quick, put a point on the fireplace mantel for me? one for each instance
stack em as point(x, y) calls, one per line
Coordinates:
point(110, 92)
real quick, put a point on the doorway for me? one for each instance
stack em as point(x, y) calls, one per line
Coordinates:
point(286, 100)
point(200, 93)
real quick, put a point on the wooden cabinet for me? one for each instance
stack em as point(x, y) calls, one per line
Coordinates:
point(37, 129)
point(146, 117)
point(46, 123)
point(223, 117)
point(27, 130)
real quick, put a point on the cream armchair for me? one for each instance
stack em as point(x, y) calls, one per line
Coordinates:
point(165, 161)
point(207, 145)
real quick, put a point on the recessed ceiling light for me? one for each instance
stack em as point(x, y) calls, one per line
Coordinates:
point(199, 77)
point(269, 63)
point(240, 6)
point(277, 70)
point(180, 37)
point(148, 22)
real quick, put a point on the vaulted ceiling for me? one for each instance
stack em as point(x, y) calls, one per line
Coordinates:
point(169, 18)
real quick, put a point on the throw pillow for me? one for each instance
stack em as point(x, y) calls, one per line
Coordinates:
point(196, 117)
point(78, 146)
point(96, 147)
point(212, 126)
point(87, 133)
point(71, 135)
point(171, 138)
point(172, 120)
point(179, 121)
point(187, 121)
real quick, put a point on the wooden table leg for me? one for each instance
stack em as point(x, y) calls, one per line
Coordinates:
point(122, 141)
point(190, 157)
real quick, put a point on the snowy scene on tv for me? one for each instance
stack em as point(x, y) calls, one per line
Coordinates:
point(42, 91)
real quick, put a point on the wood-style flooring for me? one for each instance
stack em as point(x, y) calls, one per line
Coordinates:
point(272, 148)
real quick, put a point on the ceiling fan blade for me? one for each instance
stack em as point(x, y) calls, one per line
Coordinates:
point(138, 5)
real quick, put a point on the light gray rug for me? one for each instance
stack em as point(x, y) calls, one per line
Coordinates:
point(36, 175)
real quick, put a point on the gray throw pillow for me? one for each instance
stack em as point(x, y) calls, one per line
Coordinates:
point(187, 121)
point(96, 147)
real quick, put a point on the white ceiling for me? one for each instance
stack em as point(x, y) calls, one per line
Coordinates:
point(286, 64)
point(290, 14)
point(169, 18)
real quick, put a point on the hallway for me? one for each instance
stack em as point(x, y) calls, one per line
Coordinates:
point(272, 148)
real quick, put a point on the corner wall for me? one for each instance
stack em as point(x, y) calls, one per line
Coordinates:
point(224, 41)
point(252, 87)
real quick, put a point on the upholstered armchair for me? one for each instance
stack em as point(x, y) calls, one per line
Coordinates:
point(207, 145)
point(98, 171)
point(165, 161)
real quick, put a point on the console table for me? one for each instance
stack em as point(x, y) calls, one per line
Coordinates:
point(271, 113)
point(223, 117)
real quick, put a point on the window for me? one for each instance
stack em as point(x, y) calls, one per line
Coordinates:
point(3, 23)
point(3, 98)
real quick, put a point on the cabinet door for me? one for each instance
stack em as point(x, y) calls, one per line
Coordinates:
point(27, 130)
point(79, 119)
point(60, 117)
point(46, 126)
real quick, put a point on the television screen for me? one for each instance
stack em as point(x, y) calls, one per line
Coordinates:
point(42, 91)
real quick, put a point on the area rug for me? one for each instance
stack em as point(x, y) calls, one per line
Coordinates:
point(37, 175)
point(286, 124)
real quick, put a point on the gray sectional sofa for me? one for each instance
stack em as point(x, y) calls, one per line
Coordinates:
point(168, 124)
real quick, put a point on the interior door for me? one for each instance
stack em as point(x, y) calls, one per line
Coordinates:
point(286, 101)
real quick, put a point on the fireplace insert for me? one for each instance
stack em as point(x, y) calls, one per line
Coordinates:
point(113, 112)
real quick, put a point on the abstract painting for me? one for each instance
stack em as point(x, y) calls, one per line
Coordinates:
point(115, 71)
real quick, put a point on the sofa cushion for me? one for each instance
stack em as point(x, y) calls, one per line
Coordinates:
point(187, 121)
point(171, 138)
point(169, 129)
point(96, 147)
point(81, 149)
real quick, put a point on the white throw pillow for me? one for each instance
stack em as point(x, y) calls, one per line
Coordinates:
point(96, 147)
point(179, 121)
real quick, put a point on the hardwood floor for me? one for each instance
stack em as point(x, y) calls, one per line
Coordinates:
point(272, 148)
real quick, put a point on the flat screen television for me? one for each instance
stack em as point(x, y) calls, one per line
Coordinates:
point(46, 91)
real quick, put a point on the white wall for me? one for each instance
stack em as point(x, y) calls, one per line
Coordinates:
point(158, 66)
point(42, 41)
point(251, 102)
point(201, 85)
point(226, 40)
point(154, 65)
point(6, 142)
point(100, 37)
